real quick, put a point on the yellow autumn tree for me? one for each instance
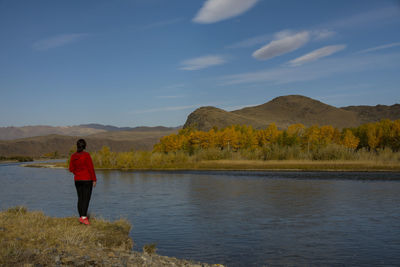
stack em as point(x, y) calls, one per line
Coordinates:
point(374, 135)
point(268, 136)
point(349, 140)
point(326, 134)
point(395, 136)
point(311, 138)
point(247, 137)
point(170, 143)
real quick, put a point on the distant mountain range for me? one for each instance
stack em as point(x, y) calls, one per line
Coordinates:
point(139, 138)
point(36, 141)
point(10, 133)
point(287, 110)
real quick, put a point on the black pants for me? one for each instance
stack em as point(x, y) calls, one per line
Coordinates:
point(84, 190)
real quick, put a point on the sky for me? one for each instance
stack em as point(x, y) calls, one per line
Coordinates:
point(153, 62)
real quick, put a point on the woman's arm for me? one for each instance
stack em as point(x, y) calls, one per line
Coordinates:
point(71, 164)
point(91, 169)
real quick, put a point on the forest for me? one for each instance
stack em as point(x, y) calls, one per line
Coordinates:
point(378, 141)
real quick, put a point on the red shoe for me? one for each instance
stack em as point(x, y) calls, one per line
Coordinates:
point(81, 220)
point(86, 221)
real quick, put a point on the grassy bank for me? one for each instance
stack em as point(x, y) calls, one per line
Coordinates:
point(33, 239)
point(332, 157)
point(16, 159)
point(272, 165)
point(294, 165)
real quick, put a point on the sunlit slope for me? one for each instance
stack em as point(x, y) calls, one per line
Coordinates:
point(287, 110)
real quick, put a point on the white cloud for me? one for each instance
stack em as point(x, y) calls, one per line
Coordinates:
point(202, 62)
point(58, 40)
point(379, 47)
point(321, 69)
point(251, 41)
point(285, 42)
point(317, 54)
point(316, 35)
point(217, 10)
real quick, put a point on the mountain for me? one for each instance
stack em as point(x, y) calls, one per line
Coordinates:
point(105, 127)
point(11, 133)
point(287, 110)
point(205, 118)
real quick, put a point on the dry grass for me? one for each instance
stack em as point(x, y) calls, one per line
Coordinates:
point(27, 237)
point(150, 248)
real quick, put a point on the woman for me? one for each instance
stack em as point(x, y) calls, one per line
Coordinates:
point(81, 166)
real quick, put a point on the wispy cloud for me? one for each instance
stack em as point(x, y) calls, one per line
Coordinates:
point(317, 54)
point(58, 40)
point(317, 70)
point(217, 10)
point(316, 35)
point(202, 62)
point(364, 18)
point(285, 42)
point(251, 41)
point(381, 47)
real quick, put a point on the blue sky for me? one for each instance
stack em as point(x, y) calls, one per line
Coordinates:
point(152, 62)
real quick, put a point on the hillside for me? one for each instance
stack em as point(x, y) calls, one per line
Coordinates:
point(142, 139)
point(207, 117)
point(286, 110)
point(10, 133)
point(375, 113)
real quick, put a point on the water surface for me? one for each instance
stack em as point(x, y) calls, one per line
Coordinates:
point(234, 218)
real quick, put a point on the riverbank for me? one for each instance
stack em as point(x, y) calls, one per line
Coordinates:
point(33, 239)
point(14, 159)
point(259, 165)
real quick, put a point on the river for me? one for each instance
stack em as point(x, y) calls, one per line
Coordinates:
point(234, 218)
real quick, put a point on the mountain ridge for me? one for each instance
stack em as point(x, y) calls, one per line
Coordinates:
point(13, 132)
point(291, 109)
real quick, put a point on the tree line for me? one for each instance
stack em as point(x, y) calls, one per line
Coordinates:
point(375, 142)
point(371, 136)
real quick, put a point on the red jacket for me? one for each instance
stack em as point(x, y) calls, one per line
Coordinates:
point(81, 166)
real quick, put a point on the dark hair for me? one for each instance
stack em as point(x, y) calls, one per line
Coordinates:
point(80, 145)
